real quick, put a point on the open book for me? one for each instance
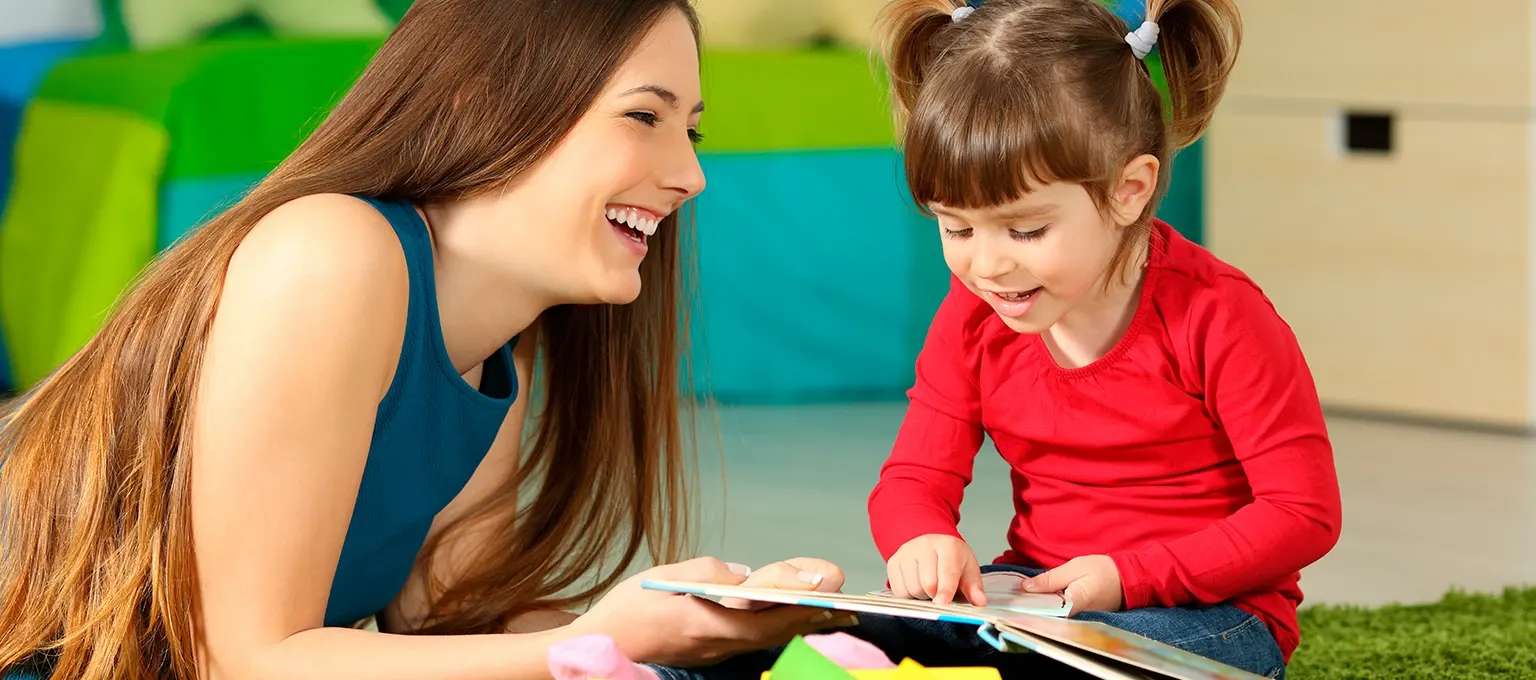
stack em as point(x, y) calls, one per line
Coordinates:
point(1012, 621)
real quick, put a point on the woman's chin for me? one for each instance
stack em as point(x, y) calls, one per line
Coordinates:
point(621, 291)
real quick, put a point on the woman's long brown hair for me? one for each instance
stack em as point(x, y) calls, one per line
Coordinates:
point(97, 574)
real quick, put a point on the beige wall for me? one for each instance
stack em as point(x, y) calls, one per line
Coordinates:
point(1398, 51)
point(1405, 276)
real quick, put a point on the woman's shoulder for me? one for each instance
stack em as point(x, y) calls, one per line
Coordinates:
point(325, 268)
point(327, 236)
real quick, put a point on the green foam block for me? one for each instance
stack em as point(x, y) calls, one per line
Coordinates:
point(80, 225)
point(233, 107)
point(801, 661)
point(793, 100)
point(241, 106)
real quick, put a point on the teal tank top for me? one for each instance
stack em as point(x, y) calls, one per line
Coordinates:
point(432, 431)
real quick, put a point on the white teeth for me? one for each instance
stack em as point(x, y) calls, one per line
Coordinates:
point(632, 218)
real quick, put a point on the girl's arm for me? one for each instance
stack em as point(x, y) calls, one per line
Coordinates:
point(923, 481)
point(1261, 393)
point(304, 346)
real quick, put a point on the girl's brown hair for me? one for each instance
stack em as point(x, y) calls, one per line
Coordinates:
point(1028, 92)
point(96, 557)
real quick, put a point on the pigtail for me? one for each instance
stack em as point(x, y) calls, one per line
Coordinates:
point(1199, 41)
point(909, 44)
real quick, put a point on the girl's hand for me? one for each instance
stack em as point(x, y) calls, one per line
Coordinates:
point(935, 567)
point(683, 630)
point(1092, 583)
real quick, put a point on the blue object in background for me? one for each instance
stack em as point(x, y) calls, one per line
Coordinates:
point(10, 121)
point(187, 203)
point(1132, 11)
point(22, 67)
point(1184, 206)
point(817, 277)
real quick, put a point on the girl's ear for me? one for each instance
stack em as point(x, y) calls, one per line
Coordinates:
point(1138, 181)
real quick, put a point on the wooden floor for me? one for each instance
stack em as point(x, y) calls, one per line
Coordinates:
point(1425, 509)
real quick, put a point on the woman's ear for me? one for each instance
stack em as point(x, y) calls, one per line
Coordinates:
point(1138, 181)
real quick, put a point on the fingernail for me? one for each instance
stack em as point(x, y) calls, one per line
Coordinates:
point(739, 569)
point(849, 621)
point(824, 615)
point(810, 577)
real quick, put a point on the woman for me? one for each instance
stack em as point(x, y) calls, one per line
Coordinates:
point(310, 412)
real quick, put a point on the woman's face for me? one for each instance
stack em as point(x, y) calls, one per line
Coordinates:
point(583, 218)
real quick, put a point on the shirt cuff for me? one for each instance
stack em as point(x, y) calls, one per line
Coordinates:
point(1135, 591)
point(912, 524)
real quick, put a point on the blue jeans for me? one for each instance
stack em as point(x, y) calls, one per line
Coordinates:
point(1223, 633)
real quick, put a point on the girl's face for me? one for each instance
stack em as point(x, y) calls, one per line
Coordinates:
point(1041, 257)
point(579, 223)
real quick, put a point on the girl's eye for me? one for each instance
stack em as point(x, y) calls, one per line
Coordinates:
point(1028, 235)
point(956, 233)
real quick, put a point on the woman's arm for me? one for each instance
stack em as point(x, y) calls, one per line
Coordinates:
point(303, 348)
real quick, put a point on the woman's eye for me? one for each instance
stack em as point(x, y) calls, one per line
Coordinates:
point(646, 117)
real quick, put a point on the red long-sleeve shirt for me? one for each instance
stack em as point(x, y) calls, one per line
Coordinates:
point(1194, 454)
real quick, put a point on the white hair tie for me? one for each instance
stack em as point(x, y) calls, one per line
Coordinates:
point(961, 13)
point(1142, 39)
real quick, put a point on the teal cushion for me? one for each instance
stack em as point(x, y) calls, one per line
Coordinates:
point(187, 202)
point(817, 277)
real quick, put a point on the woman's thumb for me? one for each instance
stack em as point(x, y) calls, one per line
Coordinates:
point(702, 570)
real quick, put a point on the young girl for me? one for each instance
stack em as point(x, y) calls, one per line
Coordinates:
point(311, 412)
point(1171, 468)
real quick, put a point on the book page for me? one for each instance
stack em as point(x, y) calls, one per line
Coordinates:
point(1005, 594)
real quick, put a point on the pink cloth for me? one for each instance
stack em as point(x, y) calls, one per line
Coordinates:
point(849, 652)
point(594, 657)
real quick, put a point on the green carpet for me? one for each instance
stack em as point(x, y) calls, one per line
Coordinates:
point(1462, 636)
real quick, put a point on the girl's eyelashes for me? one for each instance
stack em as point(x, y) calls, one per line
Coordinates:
point(1015, 234)
point(1028, 235)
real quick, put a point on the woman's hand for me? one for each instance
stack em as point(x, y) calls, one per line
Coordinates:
point(683, 630)
point(800, 573)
